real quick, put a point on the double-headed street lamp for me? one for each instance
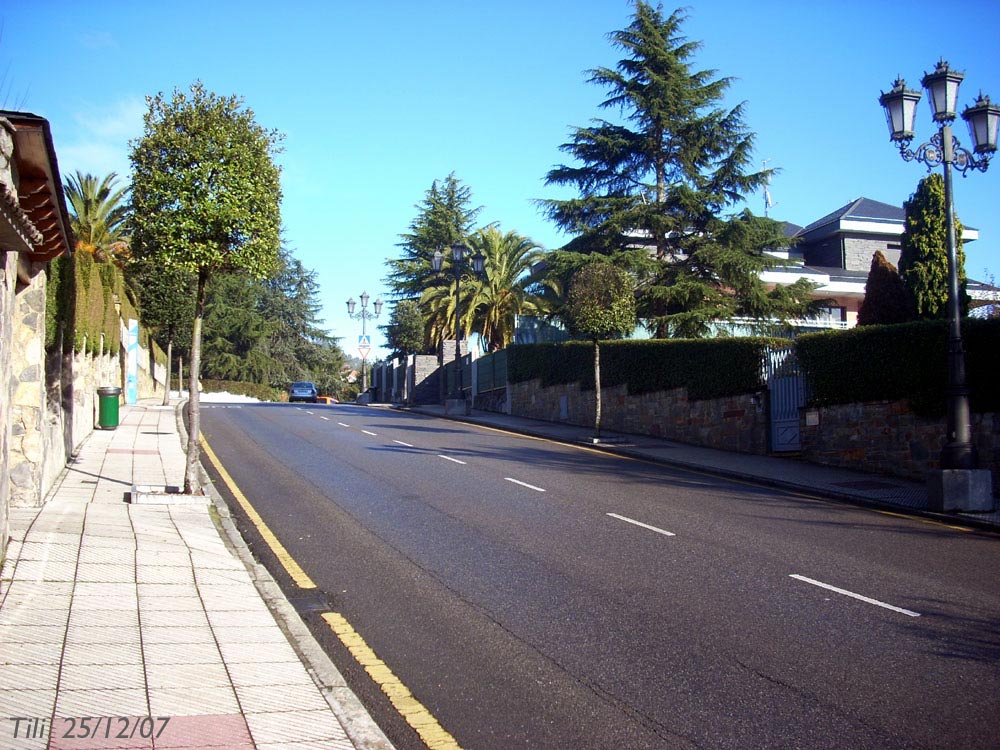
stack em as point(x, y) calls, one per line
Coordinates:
point(459, 253)
point(983, 118)
point(363, 315)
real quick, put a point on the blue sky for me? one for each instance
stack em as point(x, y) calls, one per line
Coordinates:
point(377, 100)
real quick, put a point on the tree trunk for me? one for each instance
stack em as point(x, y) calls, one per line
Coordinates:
point(170, 349)
point(597, 389)
point(191, 484)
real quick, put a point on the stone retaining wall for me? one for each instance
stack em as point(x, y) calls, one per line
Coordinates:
point(735, 423)
point(885, 437)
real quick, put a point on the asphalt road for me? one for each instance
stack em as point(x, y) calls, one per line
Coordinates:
point(535, 595)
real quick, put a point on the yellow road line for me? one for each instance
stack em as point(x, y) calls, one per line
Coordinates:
point(431, 733)
point(931, 521)
point(302, 580)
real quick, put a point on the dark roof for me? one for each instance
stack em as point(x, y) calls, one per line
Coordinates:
point(789, 229)
point(861, 209)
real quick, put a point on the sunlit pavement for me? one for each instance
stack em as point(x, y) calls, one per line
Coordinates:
point(137, 626)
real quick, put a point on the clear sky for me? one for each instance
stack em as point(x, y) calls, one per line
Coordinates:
point(378, 99)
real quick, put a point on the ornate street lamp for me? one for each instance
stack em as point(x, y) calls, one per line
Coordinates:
point(958, 485)
point(363, 315)
point(459, 252)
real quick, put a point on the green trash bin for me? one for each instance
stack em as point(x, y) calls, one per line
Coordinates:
point(107, 410)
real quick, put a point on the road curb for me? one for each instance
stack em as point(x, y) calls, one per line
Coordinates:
point(362, 730)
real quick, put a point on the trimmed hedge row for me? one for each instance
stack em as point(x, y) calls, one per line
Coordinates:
point(900, 362)
point(707, 368)
point(871, 363)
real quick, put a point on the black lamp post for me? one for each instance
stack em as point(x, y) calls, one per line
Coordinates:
point(983, 118)
point(363, 315)
point(459, 252)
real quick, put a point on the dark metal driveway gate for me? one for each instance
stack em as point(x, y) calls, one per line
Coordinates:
point(786, 395)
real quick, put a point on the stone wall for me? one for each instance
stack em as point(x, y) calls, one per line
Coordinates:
point(860, 249)
point(494, 400)
point(54, 404)
point(736, 423)
point(425, 379)
point(8, 281)
point(885, 437)
point(28, 402)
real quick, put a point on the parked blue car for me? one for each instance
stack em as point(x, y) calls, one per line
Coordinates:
point(303, 391)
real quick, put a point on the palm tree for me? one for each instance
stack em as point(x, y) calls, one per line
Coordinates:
point(98, 212)
point(437, 305)
point(512, 284)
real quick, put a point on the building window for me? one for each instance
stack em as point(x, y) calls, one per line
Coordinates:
point(837, 314)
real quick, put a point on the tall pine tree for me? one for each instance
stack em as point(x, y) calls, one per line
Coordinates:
point(445, 216)
point(652, 191)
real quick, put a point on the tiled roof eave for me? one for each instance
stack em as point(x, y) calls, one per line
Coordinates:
point(16, 224)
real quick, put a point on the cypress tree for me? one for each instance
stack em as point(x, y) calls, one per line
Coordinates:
point(923, 263)
point(886, 299)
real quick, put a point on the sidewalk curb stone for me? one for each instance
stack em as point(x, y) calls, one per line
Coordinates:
point(364, 733)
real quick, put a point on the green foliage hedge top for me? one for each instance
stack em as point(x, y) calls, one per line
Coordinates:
point(900, 362)
point(707, 368)
point(80, 296)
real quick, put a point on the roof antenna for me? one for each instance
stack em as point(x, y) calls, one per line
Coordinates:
point(768, 203)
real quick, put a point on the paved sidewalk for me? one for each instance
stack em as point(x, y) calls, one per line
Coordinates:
point(891, 493)
point(144, 618)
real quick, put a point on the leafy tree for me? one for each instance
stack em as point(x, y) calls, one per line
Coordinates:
point(600, 303)
point(292, 299)
point(512, 284)
point(267, 331)
point(404, 332)
point(886, 299)
point(205, 198)
point(923, 262)
point(652, 190)
point(166, 306)
point(238, 332)
point(98, 215)
point(444, 217)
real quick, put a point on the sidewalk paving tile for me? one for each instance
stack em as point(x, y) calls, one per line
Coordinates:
point(27, 676)
point(102, 702)
point(295, 726)
point(188, 701)
point(114, 610)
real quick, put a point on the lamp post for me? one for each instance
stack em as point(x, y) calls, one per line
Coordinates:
point(900, 104)
point(459, 252)
point(363, 315)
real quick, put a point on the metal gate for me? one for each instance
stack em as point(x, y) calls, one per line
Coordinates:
point(787, 395)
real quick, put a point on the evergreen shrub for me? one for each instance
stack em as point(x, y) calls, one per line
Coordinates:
point(900, 362)
point(707, 368)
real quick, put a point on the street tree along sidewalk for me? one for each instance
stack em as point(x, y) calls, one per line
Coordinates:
point(206, 198)
point(600, 304)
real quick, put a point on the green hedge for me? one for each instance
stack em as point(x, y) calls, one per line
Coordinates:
point(80, 295)
point(707, 368)
point(900, 362)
